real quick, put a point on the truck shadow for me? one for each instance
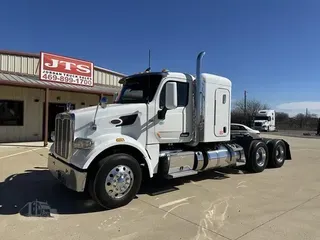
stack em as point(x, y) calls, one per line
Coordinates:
point(18, 190)
point(38, 185)
point(159, 186)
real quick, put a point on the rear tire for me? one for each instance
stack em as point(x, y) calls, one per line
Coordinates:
point(277, 156)
point(257, 159)
point(116, 181)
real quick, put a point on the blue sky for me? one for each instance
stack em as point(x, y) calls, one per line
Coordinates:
point(269, 48)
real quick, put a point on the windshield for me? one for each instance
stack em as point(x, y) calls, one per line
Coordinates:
point(261, 118)
point(139, 89)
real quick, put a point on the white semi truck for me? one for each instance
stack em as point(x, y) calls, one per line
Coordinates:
point(162, 124)
point(265, 120)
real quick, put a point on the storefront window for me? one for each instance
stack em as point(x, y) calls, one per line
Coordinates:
point(11, 113)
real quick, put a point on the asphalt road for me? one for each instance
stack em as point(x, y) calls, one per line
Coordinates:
point(275, 204)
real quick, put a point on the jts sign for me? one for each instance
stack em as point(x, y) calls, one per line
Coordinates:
point(61, 69)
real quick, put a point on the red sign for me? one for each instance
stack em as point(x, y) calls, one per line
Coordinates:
point(55, 68)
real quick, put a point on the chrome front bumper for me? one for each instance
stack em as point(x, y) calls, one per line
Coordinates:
point(67, 175)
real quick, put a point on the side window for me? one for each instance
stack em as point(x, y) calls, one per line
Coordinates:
point(162, 100)
point(242, 128)
point(234, 127)
point(11, 113)
point(183, 95)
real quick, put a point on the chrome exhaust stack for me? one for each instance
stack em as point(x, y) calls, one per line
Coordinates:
point(198, 103)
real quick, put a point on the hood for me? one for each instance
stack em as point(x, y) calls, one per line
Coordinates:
point(84, 118)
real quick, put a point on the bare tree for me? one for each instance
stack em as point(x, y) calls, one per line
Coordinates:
point(300, 118)
point(282, 116)
point(253, 106)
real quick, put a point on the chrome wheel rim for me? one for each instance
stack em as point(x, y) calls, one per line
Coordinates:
point(119, 181)
point(280, 153)
point(261, 156)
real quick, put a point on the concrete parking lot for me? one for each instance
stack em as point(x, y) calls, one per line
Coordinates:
point(296, 133)
point(276, 204)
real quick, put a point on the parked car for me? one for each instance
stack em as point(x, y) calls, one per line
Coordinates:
point(237, 128)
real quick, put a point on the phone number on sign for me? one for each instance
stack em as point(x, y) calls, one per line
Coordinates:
point(66, 79)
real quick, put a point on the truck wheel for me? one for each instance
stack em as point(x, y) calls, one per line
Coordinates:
point(277, 150)
point(116, 182)
point(258, 157)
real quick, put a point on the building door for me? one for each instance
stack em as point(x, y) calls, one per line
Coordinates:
point(54, 109)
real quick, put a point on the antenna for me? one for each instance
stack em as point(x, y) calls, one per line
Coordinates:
point(149, 67)
point(149, 59)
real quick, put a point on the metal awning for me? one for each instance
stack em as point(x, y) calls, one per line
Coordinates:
point(34, 82)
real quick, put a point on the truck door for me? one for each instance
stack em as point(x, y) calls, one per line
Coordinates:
point(222, 112)
point(174, 128)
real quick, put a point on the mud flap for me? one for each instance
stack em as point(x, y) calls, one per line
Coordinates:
point(288, 152)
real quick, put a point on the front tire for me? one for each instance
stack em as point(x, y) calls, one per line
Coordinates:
point(116, 181)
point(258, 158)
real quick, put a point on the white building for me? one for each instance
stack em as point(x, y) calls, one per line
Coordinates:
point(24, 97)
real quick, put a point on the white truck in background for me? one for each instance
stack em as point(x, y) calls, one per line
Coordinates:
point(162, 124)
point(265, 120)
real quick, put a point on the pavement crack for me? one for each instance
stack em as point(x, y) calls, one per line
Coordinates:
point(187, 220)
point(270, 220)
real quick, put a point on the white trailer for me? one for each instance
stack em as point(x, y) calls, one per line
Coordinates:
point(162, 124)
point(265, 120)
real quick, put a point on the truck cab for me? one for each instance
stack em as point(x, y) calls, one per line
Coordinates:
point(162, 124)
point(265, 120)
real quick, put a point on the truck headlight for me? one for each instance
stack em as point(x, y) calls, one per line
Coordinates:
point(53, 136)
point(83, 143)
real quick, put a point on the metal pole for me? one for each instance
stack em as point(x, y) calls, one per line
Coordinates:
point(46, 118)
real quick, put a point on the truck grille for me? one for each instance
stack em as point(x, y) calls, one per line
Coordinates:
point(64, 132)
point(258, 124)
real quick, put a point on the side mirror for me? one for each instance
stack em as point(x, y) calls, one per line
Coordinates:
point(103, 102)
point(171, 95)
